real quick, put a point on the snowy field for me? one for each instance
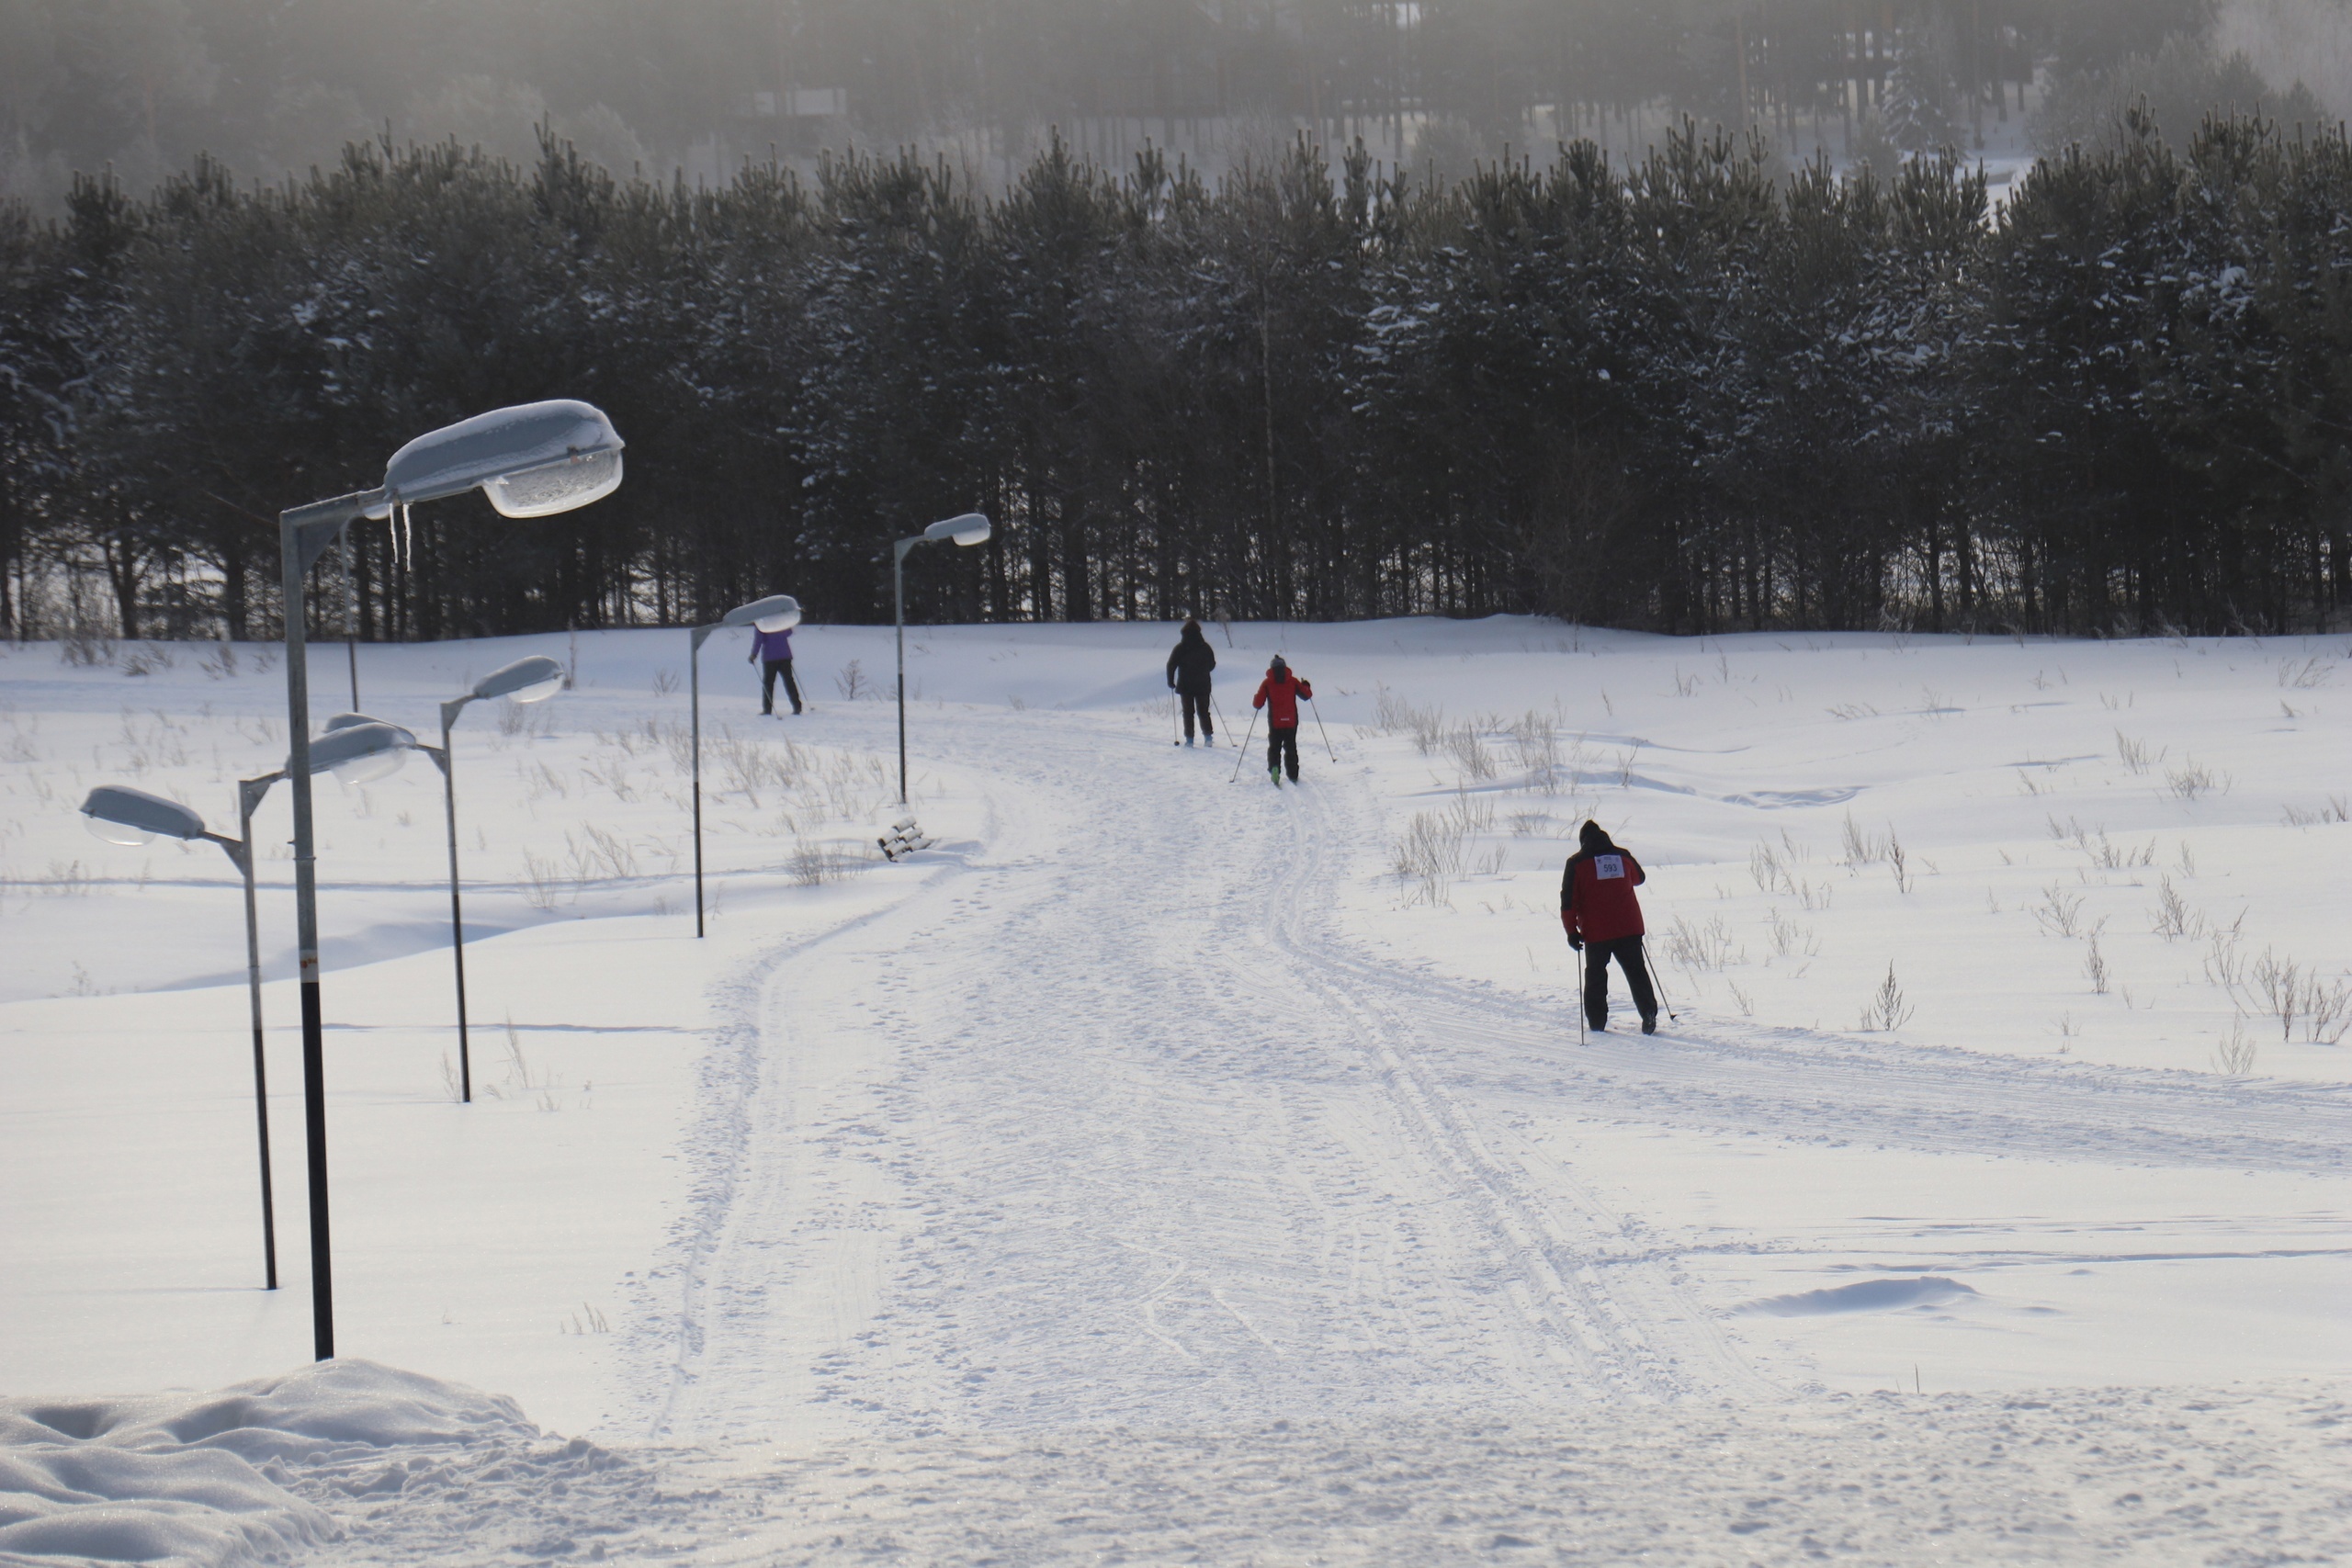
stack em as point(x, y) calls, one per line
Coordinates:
point(1168, 1168)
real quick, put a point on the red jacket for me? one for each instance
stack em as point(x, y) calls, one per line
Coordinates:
point(1283, 695)
point(1596, 899)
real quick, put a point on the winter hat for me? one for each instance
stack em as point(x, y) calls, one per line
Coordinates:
point(1594, 837)
point(1277, 667)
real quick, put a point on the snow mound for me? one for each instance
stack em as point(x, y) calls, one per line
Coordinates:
point(205, 1479)
point(1863, 1295)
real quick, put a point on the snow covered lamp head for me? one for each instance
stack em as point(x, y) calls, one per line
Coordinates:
point(531, 460)
point(120, 814)
point(358, 750)
point(776, 613)
point(532, 680)
point(971, 528)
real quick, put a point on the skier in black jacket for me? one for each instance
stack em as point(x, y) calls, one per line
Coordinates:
point(1188, 677)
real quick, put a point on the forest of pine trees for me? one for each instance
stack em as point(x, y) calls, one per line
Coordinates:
point(1694, 394)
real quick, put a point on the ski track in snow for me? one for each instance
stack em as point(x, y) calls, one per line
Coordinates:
point(1164, 1166)
point(1201, 1236)
point(1187, 1156)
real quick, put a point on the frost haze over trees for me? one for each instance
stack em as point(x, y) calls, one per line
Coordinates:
point(1218, 309)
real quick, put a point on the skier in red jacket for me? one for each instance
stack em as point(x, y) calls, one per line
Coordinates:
point(1279, 694)
point(1604, 921)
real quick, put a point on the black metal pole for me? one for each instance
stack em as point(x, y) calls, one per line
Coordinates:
point(351, 617)
point(456, 914)
point(296, 529)
point(243, 856)
point(899, 612)
point(693, 691)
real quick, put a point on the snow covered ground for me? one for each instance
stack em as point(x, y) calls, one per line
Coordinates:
point(1167, 1167)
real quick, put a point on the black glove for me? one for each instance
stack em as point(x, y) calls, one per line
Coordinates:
point(1575, 943)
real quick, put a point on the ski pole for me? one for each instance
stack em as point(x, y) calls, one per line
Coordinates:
point(1220, 718)
point(1175, 723)
point(1576, 965)
point(1320, 730)
point(1653, 982)
point(1245, 746)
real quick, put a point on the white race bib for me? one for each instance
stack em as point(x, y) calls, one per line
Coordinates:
point(1608, 868)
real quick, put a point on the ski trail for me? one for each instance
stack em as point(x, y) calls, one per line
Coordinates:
point(1709, 1074)
point(1114, 1124)
point(1104, 1139)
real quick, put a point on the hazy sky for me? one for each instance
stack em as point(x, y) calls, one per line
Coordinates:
point(276, 85)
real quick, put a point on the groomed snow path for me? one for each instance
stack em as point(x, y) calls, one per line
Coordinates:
point(1099, 1131)
point(1099, 1201)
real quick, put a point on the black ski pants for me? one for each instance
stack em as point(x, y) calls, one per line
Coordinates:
point(1282, 744)
point(1195, 703)
point(769, 671)
point(1627, 952)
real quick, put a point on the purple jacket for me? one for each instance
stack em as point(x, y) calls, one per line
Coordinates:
point(768, 647)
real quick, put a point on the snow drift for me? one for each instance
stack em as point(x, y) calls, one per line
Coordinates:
point(205, 1479)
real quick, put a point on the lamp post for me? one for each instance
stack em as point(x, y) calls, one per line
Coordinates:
point(971, 528)
point(133, 817)
point(531, 460)
point(525, 681)
point(776, 613)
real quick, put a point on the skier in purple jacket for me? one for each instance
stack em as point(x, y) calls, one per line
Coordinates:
point(772, 651)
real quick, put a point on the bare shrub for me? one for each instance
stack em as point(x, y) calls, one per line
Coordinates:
point(815, 863)
point(2171, 916)
point(2060, 913)
point(1887, 1010)
point(2235, 1055)
point(2193, 780)
point(542, 882)
point(2337, 809)
point(2290, 992)
point(2312, 672)
point(1789, 939)
point(1699, 947)
point(2134, 752)
point(852, 682)
point(1861, 849)
point(598, 855)
point(1765, 868)
point(1537, 740)
point(1429, 856)
point(1435, 852)
point(1469, 751)
point(2095, 966)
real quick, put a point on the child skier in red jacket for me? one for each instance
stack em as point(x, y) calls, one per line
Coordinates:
point(1279, 694)
point(1604, 921)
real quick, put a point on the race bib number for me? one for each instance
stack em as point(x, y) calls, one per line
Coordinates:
point(1608, 868)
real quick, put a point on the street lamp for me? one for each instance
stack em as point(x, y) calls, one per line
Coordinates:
point(531, 460)
point(971, 528)
point(123, 815)
point(776, 613)
point(531, 680)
